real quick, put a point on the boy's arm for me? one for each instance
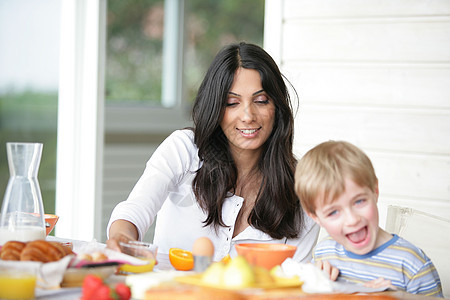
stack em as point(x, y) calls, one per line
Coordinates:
point(333, 274)
point(379, 282)
point(328, 269)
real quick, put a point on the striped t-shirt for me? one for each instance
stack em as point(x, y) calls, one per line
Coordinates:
point(405, 265)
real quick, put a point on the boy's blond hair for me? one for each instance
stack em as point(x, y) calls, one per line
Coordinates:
point(320, 174)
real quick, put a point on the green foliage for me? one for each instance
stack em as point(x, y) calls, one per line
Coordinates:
point(212, 24)
point(134, 55)
point(30, 117)
point(135, 42)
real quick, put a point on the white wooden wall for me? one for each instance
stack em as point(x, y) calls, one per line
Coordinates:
point(375, 73)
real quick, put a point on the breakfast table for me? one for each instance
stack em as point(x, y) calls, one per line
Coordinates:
point(186, 292)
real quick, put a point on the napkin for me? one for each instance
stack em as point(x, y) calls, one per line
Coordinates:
point(140, 283)
point(315, 280)
point(48, 275)
point(113, 256)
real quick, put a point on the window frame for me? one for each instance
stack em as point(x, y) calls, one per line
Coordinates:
point(81, 110)
point(80, 118)
point(172, 114)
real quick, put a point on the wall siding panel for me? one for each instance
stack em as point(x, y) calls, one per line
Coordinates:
point(401, 130)
point(357, 8)
point(386, 85)
point(379, 40)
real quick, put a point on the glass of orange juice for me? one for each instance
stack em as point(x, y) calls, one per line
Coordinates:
point(17, 284)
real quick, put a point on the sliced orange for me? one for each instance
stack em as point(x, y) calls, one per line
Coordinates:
point(180, 259)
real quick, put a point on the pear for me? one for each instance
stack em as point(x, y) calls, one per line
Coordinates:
point(214, 273)
point(262, 276)
point(238, 273)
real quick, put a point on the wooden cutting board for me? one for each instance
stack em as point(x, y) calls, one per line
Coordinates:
point(185, 292)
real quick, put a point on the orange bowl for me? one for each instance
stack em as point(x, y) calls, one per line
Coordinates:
point(267, 255)
point(50, 222)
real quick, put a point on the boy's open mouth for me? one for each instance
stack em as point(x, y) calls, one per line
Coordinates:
point(358, 236)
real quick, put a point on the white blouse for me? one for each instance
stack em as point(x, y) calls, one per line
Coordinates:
point(165, 189)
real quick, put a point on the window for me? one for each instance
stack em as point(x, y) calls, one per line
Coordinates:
point(147, 40)
point(135, 51)
point(210, 25)
point(29, 39)
point(157, 54)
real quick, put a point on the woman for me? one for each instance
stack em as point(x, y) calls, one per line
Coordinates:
point(231, 177)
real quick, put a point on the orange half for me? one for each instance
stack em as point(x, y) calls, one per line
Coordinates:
point(50, 222)
point(180, 259)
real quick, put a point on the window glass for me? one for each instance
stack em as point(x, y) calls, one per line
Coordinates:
point(210, 25)
point(29, 51)
point(134, 50)
point(135, 43)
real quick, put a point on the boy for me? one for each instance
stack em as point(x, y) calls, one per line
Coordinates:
point(338, 189)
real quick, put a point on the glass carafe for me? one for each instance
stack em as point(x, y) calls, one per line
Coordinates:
point(22, 217)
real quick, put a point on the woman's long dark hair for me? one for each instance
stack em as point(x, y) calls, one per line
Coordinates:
point(277, 210)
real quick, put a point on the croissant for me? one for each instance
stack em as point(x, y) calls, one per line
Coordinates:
point(11, 250)
point(44, 251)
point(39, 250)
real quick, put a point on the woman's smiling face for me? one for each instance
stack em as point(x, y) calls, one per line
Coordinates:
point(249, 114)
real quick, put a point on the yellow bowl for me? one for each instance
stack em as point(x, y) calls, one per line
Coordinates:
point(127, 268)
point(266, 255)
point(50, 222)
point(145, 252)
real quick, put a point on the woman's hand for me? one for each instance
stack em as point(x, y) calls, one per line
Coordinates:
point(331, 271)
point(121, 231)
point(380, 283)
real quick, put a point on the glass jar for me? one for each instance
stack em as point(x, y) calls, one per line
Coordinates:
point(22, 214)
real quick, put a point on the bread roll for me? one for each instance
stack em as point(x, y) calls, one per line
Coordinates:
point(99, 256)
point(95, 257)
point(84, 256)
point(44, 251)
point(11, 250)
